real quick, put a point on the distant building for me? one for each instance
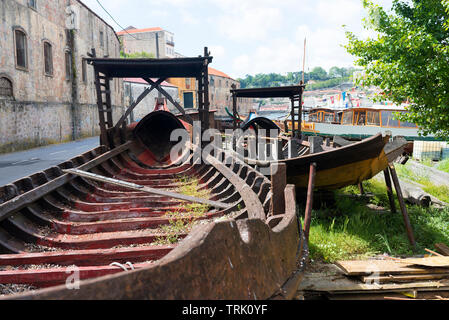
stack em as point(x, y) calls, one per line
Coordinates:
point(186, 91)
point(47, 90)
point(133, 87)
point(155, 41)
point(220, 95)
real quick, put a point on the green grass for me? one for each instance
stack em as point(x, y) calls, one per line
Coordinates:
point(183, 221)
point(350, 230)
point(443, 165)
point(441, 192)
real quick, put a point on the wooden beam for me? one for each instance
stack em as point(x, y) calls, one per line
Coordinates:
point(169, 98)
point(141, 188)
point(136, 102)
point(309, 204)
point(14, 205)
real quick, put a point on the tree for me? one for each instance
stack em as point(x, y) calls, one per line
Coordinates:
point(318, 73)
point(409, 59)
point(137, 55)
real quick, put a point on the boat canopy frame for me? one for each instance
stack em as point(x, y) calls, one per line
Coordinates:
point(106, 69)
point(293, 92)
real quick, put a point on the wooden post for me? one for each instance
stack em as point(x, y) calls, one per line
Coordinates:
point(234, 110)
point(278, 184)
point(397, 186)
point(389, 190)
point(309, 204)
point(362, 191)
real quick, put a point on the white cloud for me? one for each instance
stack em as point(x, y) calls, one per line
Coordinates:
point(250, 24)
point(217, 51)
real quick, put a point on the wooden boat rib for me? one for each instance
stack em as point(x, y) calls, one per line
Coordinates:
point(55, 227)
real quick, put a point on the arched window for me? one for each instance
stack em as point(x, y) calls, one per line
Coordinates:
point(48, 58)
point(21, 48)
point(5, 87)
point(68, 64)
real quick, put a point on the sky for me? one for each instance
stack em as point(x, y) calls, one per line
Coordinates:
point(250, 36)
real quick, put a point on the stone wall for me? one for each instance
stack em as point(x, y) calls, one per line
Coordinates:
point(221, 97)
point(52, 108)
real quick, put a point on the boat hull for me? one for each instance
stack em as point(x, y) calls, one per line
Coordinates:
point(243, 252)
point(340, 167)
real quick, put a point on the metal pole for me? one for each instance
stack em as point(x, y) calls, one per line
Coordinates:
point(309, 204)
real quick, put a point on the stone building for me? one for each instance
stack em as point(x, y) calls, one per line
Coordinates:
point(133, 87)
point(155, 41)
point(47, 90)
point(220, 96)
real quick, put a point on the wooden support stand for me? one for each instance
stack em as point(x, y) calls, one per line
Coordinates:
point(389, 190)
point(362, 191)
point(278, 184)
point(397, 186)
point(309, 204)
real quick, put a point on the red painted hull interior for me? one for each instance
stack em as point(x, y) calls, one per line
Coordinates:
point(100, 228)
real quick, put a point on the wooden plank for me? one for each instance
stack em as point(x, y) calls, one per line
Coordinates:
point(361, 268)
point(341, 284)
point(431, 262)
point(442, 248)
point(141, 188)
point(10, 207)
point(405, 278)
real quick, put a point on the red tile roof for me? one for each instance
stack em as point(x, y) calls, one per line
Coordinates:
point(139, 30)
point(140, 80)
point(216, 72)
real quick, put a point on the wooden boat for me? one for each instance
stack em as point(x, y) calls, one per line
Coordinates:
point(122, 223)
point(339, 163)
point(358, 123)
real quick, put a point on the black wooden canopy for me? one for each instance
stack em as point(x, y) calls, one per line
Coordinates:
point(148, 69)
point(294, 93)
point(154, 68)
point(271, 92)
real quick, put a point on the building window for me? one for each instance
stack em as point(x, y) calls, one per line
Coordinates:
point(68, 65)
point(32, 4)
point(188, 83)
point(84, 70)
point(21, 49)
point(5, 87)
point(48, 59)
point(101, 39)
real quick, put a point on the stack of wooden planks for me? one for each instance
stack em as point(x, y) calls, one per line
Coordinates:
point(398, 279)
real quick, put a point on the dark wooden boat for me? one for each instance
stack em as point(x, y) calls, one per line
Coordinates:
point(339, 162)
point(124, 243)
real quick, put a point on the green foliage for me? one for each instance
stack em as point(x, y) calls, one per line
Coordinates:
point(328, 83)
point(408, 59)
point(350, 230)
point(137, 55)
point(335, 77)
